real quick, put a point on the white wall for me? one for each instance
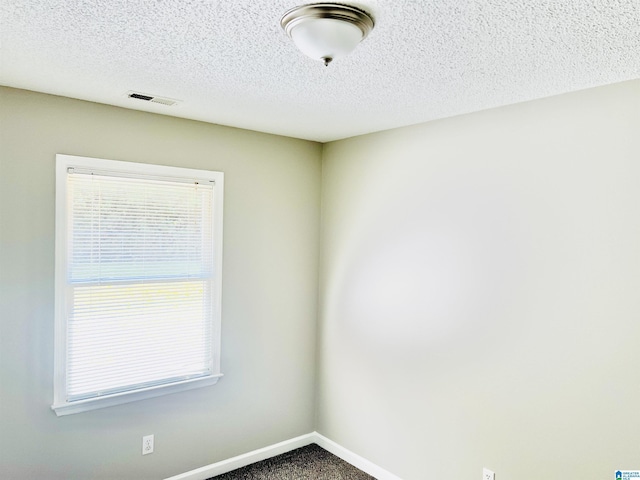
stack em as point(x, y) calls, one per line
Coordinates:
point(480, 292)
point(272, 197)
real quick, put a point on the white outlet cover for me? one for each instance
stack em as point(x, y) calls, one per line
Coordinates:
point(488, 474)
point(147, 444)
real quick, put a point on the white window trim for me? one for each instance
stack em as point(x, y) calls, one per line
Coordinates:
point(63, 162)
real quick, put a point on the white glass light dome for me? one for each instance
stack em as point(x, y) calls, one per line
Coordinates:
point(326, 31)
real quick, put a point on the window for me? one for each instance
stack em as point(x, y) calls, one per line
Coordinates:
point(138, 270)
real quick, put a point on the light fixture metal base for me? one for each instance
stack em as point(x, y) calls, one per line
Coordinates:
point(334, 11)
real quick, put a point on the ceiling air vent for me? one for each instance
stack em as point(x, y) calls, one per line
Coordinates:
point(153, 98)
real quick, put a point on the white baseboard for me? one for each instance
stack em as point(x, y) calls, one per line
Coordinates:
point(354, 459)
point(245, 459)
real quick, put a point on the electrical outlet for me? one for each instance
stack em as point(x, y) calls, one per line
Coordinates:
point(488, 474)
point(147, 444)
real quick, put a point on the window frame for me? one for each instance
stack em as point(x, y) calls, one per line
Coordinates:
point(61, 406)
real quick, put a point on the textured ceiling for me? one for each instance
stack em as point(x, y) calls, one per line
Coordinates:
point(230, 63)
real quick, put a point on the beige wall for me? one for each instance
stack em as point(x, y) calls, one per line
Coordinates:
point(272, 196)
point(480, 292)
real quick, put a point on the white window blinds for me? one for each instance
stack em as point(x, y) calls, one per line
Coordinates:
point(140, 283)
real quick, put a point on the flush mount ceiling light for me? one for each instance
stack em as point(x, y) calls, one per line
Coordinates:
point(325, 31)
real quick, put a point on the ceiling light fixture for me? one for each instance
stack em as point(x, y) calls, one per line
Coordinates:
point(326, 31)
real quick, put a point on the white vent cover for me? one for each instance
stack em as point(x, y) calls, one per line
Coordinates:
point(145, 97)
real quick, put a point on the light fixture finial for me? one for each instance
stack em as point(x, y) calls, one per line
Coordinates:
point(326, 31)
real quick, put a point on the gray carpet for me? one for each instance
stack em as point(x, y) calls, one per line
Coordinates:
point(307, 463)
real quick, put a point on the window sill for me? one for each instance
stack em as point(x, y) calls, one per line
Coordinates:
point(70, 408)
